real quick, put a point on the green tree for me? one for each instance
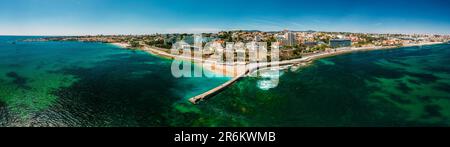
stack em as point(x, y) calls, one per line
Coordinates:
point(134, 44)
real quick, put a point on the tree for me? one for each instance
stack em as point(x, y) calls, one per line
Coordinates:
point(134, 44)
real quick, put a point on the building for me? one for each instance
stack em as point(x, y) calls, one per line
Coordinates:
point(337, 43)
point(240, 52)
point(280, 39)
point(257, 38)
point(189, 39)
point(290, 39)
point(181, 45)
point(170, 40)
point(310, 43)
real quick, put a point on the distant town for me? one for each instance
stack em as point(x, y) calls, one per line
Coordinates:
point(293, 44)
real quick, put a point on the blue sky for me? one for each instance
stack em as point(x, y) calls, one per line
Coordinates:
point(83, 17)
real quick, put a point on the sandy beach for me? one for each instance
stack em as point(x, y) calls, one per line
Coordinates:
point(229, 70)
point(122, 45)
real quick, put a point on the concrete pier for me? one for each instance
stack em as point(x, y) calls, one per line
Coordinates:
point(212, 92)
point(251, 68)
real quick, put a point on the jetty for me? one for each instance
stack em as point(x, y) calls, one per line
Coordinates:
point(212, 92)
point(253, 67)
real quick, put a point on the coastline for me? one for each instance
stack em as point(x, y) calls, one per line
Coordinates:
point(233, 69)
point(364, 49)
point(121, 45)
point(241, 70)
point(213, 66)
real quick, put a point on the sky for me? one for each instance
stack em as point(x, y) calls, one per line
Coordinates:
point(92, 17)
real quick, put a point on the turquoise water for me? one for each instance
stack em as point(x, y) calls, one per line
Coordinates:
point(400, 87)
point(94, 84)
point(87, 84)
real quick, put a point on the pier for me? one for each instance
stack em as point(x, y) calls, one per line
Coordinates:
point(212, 92)
point(251, 68)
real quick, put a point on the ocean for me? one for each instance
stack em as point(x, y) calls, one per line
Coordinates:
point(79, 84)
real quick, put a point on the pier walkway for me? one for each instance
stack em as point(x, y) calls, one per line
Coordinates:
point(250, 69)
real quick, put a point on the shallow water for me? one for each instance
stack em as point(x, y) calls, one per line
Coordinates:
point(94, 84)
point(88, 84)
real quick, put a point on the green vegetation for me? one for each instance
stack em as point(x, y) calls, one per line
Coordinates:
point(227, 36)
point(134, 44)
point(159, 43)
point(321, 47)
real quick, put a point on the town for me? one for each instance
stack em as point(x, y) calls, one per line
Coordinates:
point(293, 44)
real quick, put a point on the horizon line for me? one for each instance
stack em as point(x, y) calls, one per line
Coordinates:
point(248, 30)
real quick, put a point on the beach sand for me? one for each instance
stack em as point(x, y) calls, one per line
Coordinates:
point(122, 45)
